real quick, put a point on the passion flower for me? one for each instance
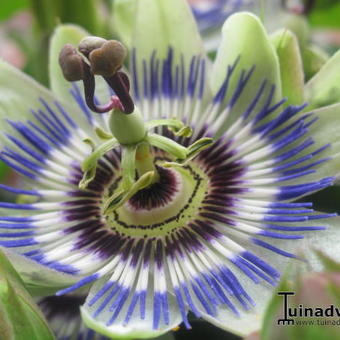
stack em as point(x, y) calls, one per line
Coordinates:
point(173, 196)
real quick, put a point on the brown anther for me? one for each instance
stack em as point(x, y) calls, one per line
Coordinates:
point(88, 44)
point(71, 63)
point(108, 59)
point(99, 57)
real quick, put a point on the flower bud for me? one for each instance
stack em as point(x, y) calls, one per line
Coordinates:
point(107, 59)
point(71, 63)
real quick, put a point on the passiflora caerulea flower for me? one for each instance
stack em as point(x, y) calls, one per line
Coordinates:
point(176, 195)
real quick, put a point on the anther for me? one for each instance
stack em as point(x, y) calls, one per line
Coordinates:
point(71, 63)
point(74, 68)
point(108, 59)
point(99, 57)
point(88, 44)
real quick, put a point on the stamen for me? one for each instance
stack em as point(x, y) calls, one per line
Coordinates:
point(103, 58)
point(88, 44)
point(107, 59)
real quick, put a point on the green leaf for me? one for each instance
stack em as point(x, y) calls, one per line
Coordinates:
point(291, 67)
point(269, 329)
point(324, 88)
point(334, 289)
point(244, 36)
point(8, 8)
point(326, 14)
point(4, 170)
point(20, 317)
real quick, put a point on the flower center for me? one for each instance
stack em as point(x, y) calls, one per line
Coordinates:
point(147, 196)
point(162, 207)
point(158, 194)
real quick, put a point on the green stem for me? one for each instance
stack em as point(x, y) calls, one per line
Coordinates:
point(168, 145)
point(82, 12)
point(145, 161)
point(92, 159)
point(45, 13)
point(128, 166)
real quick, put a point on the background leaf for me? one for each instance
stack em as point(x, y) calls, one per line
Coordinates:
point(20, 317)
point(9, 7)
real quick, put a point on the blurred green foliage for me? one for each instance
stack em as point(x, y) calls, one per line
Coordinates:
point(82, 12)
point(3, 171)
point(20, 317)
point(326, 14)
point(9, 7)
